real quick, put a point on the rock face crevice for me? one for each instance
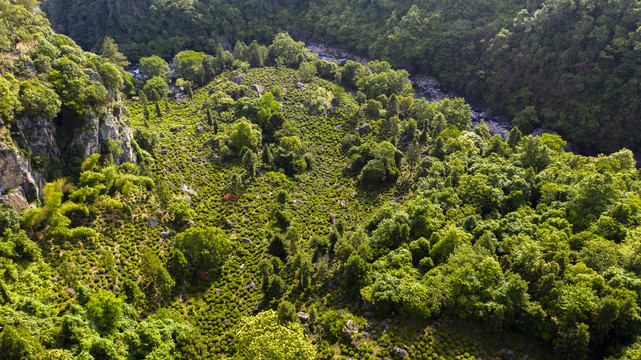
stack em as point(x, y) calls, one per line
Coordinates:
point(22, 177)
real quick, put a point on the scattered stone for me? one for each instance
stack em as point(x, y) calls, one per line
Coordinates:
point(300, 85)
point(228, 224)
point(217, 291)
point(152, 223)
point(343, 203)
point(238, 79)
point(167, 234)
point(191, 223)
point(350, 329)
point(245, 207)
point(242, 266)
point(332, 218)
point(251, 285)
point(246, 241)
point(264, 240)
point(398, 198)
point(259, 88)
point(437, 325)
point(194, 159)
point(164, 152)
point(200, 129)
point(352, 326)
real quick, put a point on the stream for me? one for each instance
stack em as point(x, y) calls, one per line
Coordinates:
point(425, 87)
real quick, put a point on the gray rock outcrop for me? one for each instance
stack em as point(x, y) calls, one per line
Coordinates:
point(33, 144)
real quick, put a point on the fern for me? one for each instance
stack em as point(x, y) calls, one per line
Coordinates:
point(84, 232)
point(70, 207)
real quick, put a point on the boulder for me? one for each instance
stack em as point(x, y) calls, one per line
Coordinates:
point(93, 75)
point(188, 190)
point(200, 129)
point(246, 241)
point(397, 351)
point(303, 316)
point(251, 285)
point(507, 353)
point(167, 234)
point(259, 88)
point(15, 200)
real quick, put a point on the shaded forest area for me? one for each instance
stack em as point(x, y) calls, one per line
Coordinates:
point(572, 66)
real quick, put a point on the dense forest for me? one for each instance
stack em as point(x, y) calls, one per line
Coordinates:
point(280, 206)
point(572, 66)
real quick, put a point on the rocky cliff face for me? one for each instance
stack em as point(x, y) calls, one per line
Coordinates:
point(22, 177)
point(17, 176)
point(100, 131)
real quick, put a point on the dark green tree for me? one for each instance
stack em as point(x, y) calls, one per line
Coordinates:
point(355, 273)
point(206, 249)
point(277, 247)
point(514, 138)
point(106, 310)
point(109, 50)
point(156, 281)
point(286, 312)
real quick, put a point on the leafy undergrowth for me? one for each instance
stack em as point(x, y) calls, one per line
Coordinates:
point(191, 168)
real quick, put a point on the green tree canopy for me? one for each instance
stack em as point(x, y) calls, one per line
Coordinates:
point(153, 66)
point(206, 249)
point(261, 337)
point(106, 310)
